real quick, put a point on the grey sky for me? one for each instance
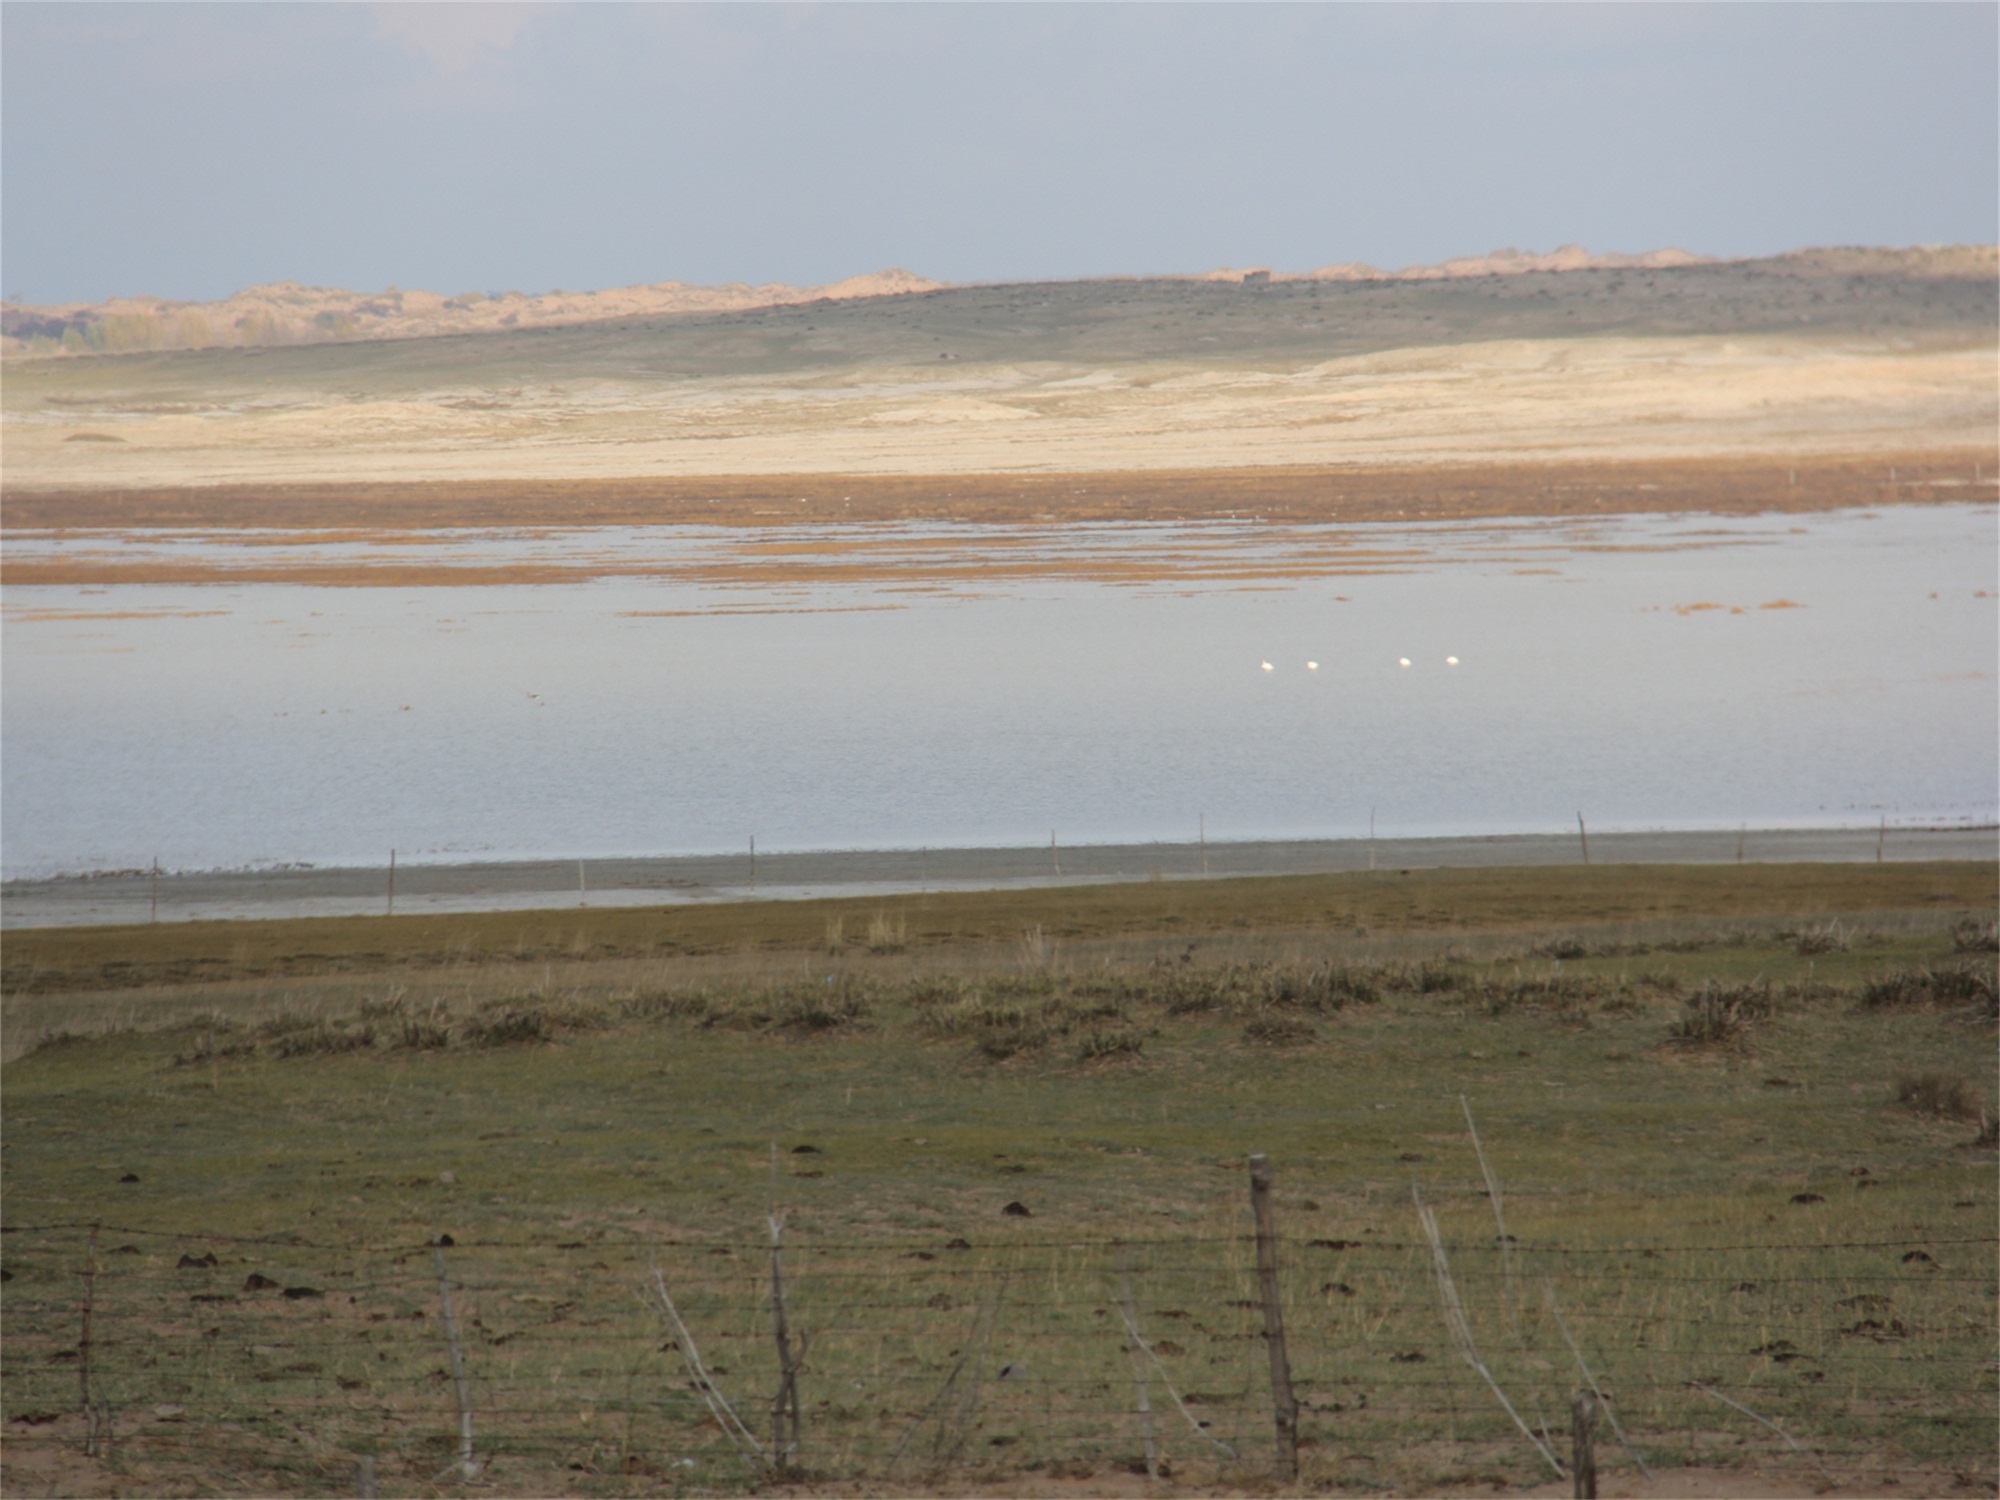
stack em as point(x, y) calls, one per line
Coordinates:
point(188, 150)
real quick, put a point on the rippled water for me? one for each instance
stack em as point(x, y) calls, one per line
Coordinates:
point(974, 686)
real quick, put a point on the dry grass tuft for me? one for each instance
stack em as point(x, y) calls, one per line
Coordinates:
point(1948, 1096)
point(1719, 1017)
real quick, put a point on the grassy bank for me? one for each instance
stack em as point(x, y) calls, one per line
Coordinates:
point(1737, 1130)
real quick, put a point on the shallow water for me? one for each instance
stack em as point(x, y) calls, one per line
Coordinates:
point(986, 687)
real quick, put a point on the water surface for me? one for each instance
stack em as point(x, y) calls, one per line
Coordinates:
point(1654, 672)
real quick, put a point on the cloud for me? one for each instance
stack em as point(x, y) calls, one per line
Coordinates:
point(454, 36)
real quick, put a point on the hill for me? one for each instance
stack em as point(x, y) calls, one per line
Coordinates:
point(1848, 352)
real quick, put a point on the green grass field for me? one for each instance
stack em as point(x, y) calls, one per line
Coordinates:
point(1739, 1119)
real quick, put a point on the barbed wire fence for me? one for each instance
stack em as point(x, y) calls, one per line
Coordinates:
point(615, 1361)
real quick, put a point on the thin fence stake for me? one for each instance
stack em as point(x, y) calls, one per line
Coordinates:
point(1139, 1380)
point(1603, 1401)
point(949, 1439)
point(1697, 1385)
point(1284, 1405)
point(1461, 1330)
point(1583, 834)
point(1139, 1340)
point(1054, 858)
point(83, 1342)
point(753, 861)
point(467, 1468)
point(1499, 1218)
point(1881, 837)
point(392, 885)
point(718, 1404)
point(153, 914)
point(1583, 1450)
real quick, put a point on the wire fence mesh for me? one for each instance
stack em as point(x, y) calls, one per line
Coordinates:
point(276, 1364)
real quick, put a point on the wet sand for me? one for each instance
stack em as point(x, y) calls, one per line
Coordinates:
point(103, 537)
point(537, 885)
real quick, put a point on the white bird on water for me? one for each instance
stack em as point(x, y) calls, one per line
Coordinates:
point(1402, 661)
point(1268, 667)
point(1312, 666)
point(1451, 661)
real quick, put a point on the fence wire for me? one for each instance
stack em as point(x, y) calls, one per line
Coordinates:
point(275, 1365)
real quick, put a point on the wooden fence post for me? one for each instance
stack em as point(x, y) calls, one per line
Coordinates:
point(1583, 834)
point(1284, 1406)
point(466, 1467)
point(1583, 1444)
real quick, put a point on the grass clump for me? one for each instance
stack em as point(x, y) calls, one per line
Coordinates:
point(1325, 990)
point(1563, 994)
point(1717, 1016)
point(1945, 1095)
point(1280, 1031)
point(1825, 937)
point(321, 1039)
point(1941, 985)
point(887, 934)
point(1975, 936)
point(1098, 1043)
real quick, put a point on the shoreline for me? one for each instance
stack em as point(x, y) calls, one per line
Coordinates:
point(127, 897)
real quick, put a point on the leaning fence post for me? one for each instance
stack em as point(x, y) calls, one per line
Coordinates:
point(785, 1405)
point(1284, 1407)
point(1583, 1444)
point(466, 1466)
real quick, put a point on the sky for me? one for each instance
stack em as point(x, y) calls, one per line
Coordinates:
point(190, 150)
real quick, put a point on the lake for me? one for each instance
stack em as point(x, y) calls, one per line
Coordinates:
point(680, 690)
